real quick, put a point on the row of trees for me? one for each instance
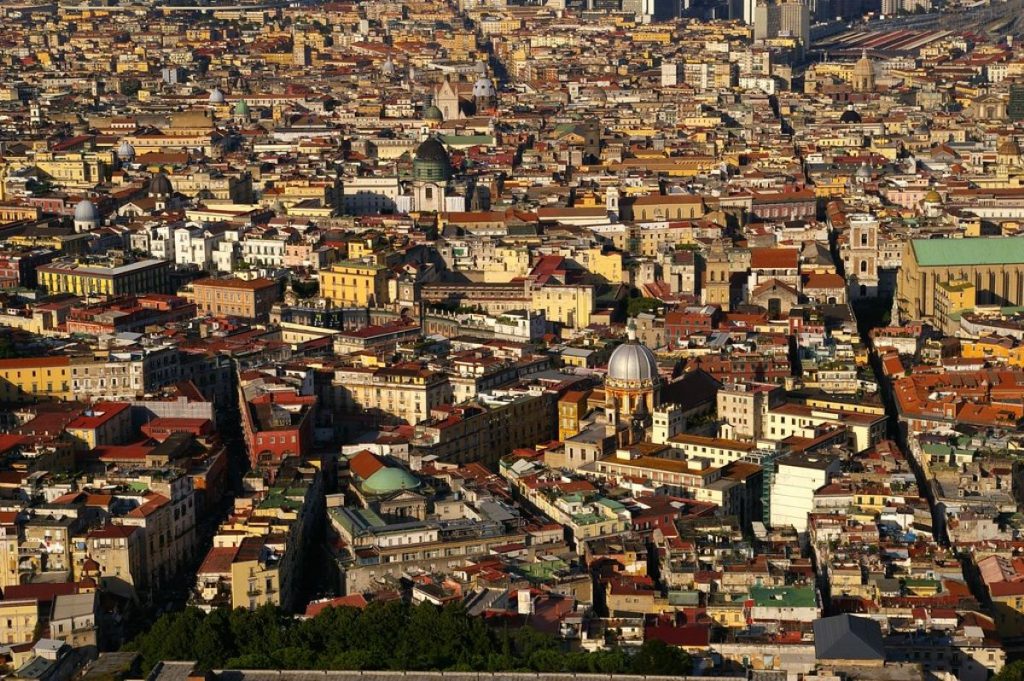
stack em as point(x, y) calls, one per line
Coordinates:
point(384, 636)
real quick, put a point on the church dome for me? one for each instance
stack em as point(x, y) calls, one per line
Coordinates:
point(388, 480)
point(216, 96)
point(483, 87)
point(126, 152)
point(431, 162)
point(850, 116)
point(864, 172)
point(85, 211)
point(160, 185)
point(241, 108)
point(863, 66)
point(632, 362)
point(932, 197)
point(432, 150)
point(1009, 148)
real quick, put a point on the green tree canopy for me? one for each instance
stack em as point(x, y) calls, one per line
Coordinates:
point(383, 636)
point(642, 304)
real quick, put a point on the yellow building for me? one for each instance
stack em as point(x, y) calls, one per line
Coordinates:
point(951, 298)
point(571, 410)
point(110, 278)
point(728, 614)
point(35, 377)
point(20, 619)
point(255, 579)
point(569, 305)
point(355, 283)
point(9, 557)
point(993, 265)
point(992, 348)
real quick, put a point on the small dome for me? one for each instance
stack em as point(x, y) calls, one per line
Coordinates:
point(864, 66)
point(864, 172)
point(216, 96)
point(632, 362)
point(241, 108)
point(85, 211)
point(1009, 148)
point(126, 152)
point(160, 185)
point(483, 87)
point(388, 480)
point(432, 113)
point(932, 197)
point(850, 116)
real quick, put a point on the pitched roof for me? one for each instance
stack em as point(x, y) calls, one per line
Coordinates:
point(847, 637)
point(975, 251)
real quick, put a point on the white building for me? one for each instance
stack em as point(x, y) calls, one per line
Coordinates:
point(797, 477)
point(370, 195)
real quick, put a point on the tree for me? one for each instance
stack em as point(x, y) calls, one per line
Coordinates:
point(305, 288)
point(383, 636)
point(657, 658)
point(1011, 672)
point(642, 304)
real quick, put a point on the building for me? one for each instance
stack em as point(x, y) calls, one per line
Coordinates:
point(277, 426)
point(743, 406)
point(797, 477)
point(487, 428)
point(952, 298)
point(119, 554)
point(105, 277)
point(1015, 108)
point(355, 283)
point(863, 74)
point(632, 386)
point(27, 379)
point(250, 299)
point(993, 265)
point(398, 394)
point(20, 617)
point(790, 19)
point(103, 423)
point(74, 619)
point(572, 407)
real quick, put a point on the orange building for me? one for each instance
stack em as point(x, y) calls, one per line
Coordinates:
point(236, 297)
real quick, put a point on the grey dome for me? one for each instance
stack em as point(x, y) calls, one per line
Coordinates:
point(126, 152)
point(483, 88)
point(432, 113)
point(632, 362)
point(864, 172)
point(160, 185)
point(216, 96)
point(85, 211)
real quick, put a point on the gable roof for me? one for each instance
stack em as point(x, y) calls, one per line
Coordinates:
point(848, 637)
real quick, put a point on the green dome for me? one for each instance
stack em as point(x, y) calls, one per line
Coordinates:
point(431, 162)
point(388, 480)
point(241, 109)
point(432, 113)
